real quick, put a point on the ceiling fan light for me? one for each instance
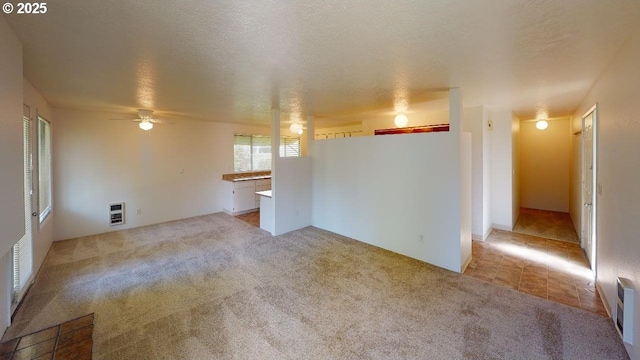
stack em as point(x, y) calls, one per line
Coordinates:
point(296, 128)
point(145, 125)
point(542, 124)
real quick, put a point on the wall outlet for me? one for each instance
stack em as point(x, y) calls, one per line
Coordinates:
point(181, 171)
point(421, 239)
point(138, 211)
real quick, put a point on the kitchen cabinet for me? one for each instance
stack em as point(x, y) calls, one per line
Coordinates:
point(241, 195)
point(244, 198)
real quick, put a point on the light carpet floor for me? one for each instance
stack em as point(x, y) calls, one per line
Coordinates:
point(216, 287)
point(547, 224)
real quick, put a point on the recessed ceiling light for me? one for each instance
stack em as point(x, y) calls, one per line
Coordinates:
point(542, 124)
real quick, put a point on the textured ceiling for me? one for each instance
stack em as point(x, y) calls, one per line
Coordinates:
point(232, 61)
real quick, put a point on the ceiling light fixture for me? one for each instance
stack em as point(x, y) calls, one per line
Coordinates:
point(542, 124)
point(146, 125)
point(296, 128)
point(401, 120)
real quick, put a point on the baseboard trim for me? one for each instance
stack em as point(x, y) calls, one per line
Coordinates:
point(486, 234)
point(607, 308)
point(240, 212)
point(502, 227)
point(466, 263)
point(482, 237)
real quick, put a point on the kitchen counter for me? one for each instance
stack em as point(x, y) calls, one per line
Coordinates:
point(251, 178)
point(245, 176)
point(266, 193)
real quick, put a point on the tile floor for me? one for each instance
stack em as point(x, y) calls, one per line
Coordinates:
point(547, 224)
point(252, 218)
point(70, 340)
point(550, 269)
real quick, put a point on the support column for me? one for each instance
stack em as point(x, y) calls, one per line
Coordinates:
point(455, 110)
point(275, 139)
point(464, 175)
point(275, 155)
point(311, 132)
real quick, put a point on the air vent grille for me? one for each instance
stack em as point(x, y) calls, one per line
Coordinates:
point(624, 310)
point(116, 213)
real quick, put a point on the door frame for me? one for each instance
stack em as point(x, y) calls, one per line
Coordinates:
point(594, 201)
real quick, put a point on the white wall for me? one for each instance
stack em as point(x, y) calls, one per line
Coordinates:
point(616, 93)
point(369, 188)
point(98, 161)
point(502, 205)
point(377, 190)
point(515, 169)
point(11, 159)
point(472, 123)
point(487, 140)
point(292, 194)
point(465, 200)
point(462, 147)
point(475, 121)
point(545, 159)
point(42, 234)
point(575, 178)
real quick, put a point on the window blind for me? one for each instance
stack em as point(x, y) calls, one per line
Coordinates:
point(261, 152)
point(289, 147)
point(22, 250)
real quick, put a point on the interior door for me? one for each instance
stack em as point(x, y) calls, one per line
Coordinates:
point(588, 187)
point(22, 253)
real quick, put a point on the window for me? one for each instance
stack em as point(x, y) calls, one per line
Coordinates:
point(253, 152)
point(44, 168)
point(289, 147)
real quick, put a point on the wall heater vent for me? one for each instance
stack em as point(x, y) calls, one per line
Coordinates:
point(624, 310)
point(116, 213)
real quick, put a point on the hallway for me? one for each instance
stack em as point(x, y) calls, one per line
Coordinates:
point(547, 224)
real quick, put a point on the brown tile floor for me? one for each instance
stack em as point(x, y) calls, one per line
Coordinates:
point(553, 270)
point(547, 224)
point(252, 218)
point(70, 340)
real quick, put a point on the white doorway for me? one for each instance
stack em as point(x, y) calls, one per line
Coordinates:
point(589, 186)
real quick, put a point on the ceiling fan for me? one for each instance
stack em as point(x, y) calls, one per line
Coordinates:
point(146, 120)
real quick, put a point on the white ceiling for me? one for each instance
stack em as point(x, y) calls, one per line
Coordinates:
point(232, 61)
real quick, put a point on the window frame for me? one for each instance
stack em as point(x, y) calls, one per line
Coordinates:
point(281, 150)
point(44, 212)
